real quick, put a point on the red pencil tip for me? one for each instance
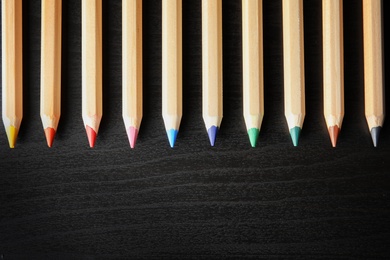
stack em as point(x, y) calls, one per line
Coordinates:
point(334, 133)
point(91, 136)
point(132, 134)
point(50, 133)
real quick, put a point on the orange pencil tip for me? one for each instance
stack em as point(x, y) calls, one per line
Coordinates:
point(334, 134)
point(91, 136)
point(50, 133)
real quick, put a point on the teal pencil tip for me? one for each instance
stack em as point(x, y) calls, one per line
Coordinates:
point(295, 132)
point(172, 134)
point(253, 134)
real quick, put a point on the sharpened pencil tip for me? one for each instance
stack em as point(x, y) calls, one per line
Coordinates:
point(50, 133)
point(375, 131)
point(212, 132)
point(172, 134)
point(12, 134)
point(132, 134)
point(294, 133)
point(334, 134)
point(253, 134)
point(91, 136)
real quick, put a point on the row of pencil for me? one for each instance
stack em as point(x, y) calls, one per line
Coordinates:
point(253, 82)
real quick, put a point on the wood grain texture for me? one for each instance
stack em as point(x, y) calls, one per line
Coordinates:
point(51, 43)
point(293, 63)
point(227, 201)
point(132, 63)
point(12, 68)
point(252, 63)
point(373, 63)
point(333, 61)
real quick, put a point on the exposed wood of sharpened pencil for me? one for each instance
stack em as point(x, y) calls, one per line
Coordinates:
point(253, 75)
point(373, 66)
point(132, 67)
point(212, 66)
point(172, 67)
point(92, 67)
point(12, 68)
point(51, 67)
point(294, 68)
point(333, 66)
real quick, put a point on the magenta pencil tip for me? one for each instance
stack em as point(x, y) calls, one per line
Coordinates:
point(132, 134)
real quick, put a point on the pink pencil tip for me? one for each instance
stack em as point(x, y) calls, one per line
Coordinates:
point(91, 136)
point(50, 133)
point(132, 134)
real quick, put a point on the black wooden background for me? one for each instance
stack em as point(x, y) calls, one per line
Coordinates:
point(230, 200)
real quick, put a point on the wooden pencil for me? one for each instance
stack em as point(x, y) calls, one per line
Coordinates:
point(373, 67)
point(132, 67)
point(333, 66)
point(51, 67)
point(253, 75)
point(294, 67)
point(172, 67)
point(91, 67)
point(212, 66)
point(12, 68)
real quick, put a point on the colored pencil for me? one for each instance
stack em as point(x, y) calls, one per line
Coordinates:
point(333, 66)
point(91, 67)
point(253, 75)
point(12, 68)
point(373, 67)
point(212, 66)
point(132, 67)
point(294, 67)
point(51, 67)
point(172, 67)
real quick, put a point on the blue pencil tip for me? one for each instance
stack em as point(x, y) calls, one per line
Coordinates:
point(172, 134)
point(212, 132)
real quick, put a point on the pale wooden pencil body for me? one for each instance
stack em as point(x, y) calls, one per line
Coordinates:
point(132, 62)
point(92, 63)
point(51, 63)
point(12, 67)
point(253, 75)
point(212, 62)
point(373, 63)
point(172, 63)
point(294, 68)
point(333, 62)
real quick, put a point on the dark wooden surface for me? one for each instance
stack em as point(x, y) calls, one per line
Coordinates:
point(230, 200)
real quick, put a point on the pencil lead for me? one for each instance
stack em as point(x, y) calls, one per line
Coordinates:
point(132, 134)
point(334, 133)
point(50, 133)
point(375, 134)
point(212, 132)
point(253, 134)
point(91, 136)
point(294, 133)
point(12, 134)
point(172, 134)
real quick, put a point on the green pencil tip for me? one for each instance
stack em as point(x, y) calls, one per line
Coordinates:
point(294, 132)
point(253, 136)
